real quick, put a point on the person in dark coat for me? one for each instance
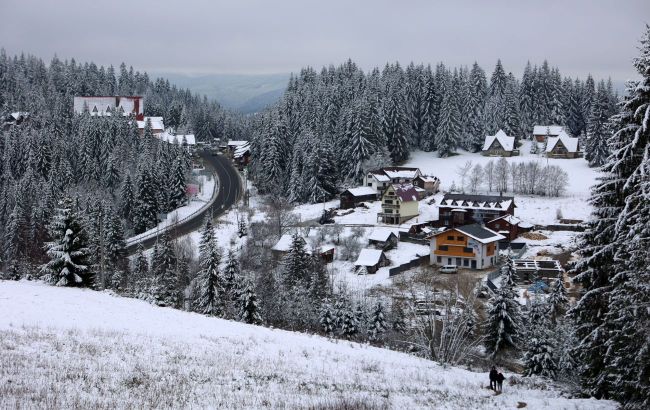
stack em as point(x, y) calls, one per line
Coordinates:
point(494, 375)
point(500, 379)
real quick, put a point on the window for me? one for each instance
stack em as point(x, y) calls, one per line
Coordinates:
point(468, 250)
point(465, 262)
point(369, 183)
point(443, 248)
point(439, 259)
point(388, 211)
point(450, 238)
point(460, 238)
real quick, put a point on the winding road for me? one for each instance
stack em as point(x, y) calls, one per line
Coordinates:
point(230, 189)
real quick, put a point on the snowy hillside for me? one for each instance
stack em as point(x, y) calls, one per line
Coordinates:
point(63, 348)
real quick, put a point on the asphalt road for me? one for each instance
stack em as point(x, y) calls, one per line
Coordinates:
point(230, 188)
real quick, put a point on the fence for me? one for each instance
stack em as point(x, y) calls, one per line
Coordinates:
point(419, 261)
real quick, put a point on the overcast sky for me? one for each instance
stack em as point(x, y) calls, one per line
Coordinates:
point(264, 36)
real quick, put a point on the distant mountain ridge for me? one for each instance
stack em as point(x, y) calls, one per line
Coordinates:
point(246, 93)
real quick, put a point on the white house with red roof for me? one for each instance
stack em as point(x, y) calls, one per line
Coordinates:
point(399, 203)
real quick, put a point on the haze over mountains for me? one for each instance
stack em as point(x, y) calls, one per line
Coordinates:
point(246, 93)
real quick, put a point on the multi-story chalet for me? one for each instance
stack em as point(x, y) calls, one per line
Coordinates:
point(157, 125)
point(499, 145)
point(463, 209)
point(430, 184)
point(352, 197)
point(399, 203)
point(103, 105)
point(540, 132)
point(380, 179)
point(563, 146)
point(469, 246)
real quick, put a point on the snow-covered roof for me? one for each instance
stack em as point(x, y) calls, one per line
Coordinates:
point(157, 123)
point(177, 139)
point(98, 105)
point(284, 244)
point(570, 143)
point(477, 232)
point(462, 201)
point(550, 129)
point(19, 114)
point(511, 219)
point(508, 143)
point(236, 143)
point(369, 257)
point(405, 192)
point(362, 191)
point(401, 172)
point(380, 234)
point(242, 149)
point(380, 177)
point(427, 178)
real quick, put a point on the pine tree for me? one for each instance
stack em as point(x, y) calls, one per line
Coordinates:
point(296, 264)
point(377, 323)
point(539, 357)
point(495, 109)
point(558, 302)
point(145, 213)
point(349, 326)
point(165, 265)
point(596, 149)
point(447, 137)
point(394, 130)
point(326, 320)
point(178, 197)
point(210, 292)
point(503, 327)
point(68, 252)
point(476, 115)
point(249, 311)
point(232, 279)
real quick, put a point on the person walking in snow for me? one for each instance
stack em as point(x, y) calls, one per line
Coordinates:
point(494, 375)
point(500, 379)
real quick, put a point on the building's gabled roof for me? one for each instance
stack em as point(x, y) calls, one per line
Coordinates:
point(236, 143)
point(381, 234)
point(570, 143)
point(284, 244)
point(550, 129)
point(480, 233)
point(379, 176)
point(476, 201)
point(157, 123)
point(361, 191)
point(405, 192)
point(506, 142)
point(427, 178)
point(242, 149)
point(369, 257)
point(401, 172)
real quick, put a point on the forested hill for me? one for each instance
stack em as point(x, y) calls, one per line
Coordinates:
point(95, 175)
point(332, 125)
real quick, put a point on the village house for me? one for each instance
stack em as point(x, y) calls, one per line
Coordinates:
point(430, 184)
point(186, 140)
point(157, 125)
point(371, 260)
point(540, 132)
point(509, 226)
point(283, 245)
point(399, 203)
point(383, 238)
point(353, 197)
point(14, 119)
point(380, 179)
point(499, 145)
point(469, 246)
point(563, 146)
point(103, 105)
point(463, 209)
point(241, 155)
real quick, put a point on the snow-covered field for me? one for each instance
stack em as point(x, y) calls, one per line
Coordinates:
point(73, 348)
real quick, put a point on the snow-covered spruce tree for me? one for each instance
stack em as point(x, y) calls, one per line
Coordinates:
point(321, 172)
point(495, 109)
point(503, 326)
point(127, 198)
point(231, 283)
point(178, 196)
point(394, 128)
point(512, 120)
point(611, 315)
point(249, 308)
point(377, 323)
point(447, 137)
point(209, 286)
point(320, 281)
point(596, 149)
point(165, 268)
point(539, 353)
point(116, 255)
point(527, 98)
point(558, 302)
point(296, 264)
point(68, 251)
point(476, 108)
point(145, 212)
point(326, 319)
point(349, 326)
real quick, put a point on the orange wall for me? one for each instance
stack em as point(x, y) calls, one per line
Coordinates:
point(455, 246)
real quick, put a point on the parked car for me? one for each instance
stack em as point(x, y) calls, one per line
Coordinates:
point(449, 269)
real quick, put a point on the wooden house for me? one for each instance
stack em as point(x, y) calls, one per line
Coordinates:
point(399, 203)
point(157, 125)
point(383, 238)
point(563, 146)
point(509, 226)
point(283, 246)
point(352, 197)
point(499, 145)
point(371, 259)
point(469, 246)
point(464, 209)
point(430, 184)
point(541, 132)
point(380, 179)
